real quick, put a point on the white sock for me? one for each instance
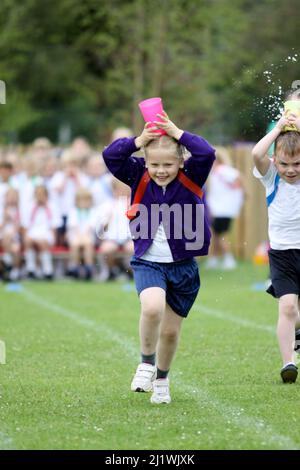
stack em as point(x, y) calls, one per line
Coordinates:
point(30, 261)
point(289, 364)
point(46, 262)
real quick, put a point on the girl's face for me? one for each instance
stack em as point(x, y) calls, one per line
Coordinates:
point(163, 166)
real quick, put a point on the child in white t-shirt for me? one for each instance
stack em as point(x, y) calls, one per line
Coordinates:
point(10, 234)
point(40, 220)
point(81, 234)
point(225, 197)
point(281, 179)
point(114, 231)
point(65, 185)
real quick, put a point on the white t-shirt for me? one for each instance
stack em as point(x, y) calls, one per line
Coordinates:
point(112, 215)
point(40, 221)
point(101, 189)
point(159, 250)
point(66, 197)
point(284, 211)
point(224, 198)
point(81, 222)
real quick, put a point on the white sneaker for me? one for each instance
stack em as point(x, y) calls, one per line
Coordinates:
point(143, 379)
point(161, 392)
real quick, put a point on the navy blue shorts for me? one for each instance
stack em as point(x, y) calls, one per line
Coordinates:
point(285, 272)
point(180, 280)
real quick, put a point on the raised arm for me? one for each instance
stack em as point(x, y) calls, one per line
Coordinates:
point(118, 156)
point(198, 166)
point(259, 153)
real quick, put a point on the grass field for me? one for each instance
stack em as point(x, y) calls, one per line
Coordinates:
point(72, 349)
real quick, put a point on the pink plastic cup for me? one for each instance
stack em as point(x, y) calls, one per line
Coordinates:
point(149, 109)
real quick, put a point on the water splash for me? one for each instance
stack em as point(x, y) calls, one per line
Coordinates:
point(272, 103)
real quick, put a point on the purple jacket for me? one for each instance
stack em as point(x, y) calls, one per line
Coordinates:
point(181, 223)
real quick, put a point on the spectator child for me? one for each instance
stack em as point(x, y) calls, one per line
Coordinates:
point(81, 234)
point(10, 235)
point(40, 221)
point(225, 198)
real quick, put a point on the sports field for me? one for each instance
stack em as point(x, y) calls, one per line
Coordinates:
point(72, 349)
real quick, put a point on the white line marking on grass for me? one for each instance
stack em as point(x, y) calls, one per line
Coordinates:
point(81, 320)
point(235, 416)
point(264, 432)
point(233, 318)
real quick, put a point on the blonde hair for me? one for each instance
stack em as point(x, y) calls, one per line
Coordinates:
point(42, 143)
point(165, 142)
point(83, 193)
point(288, 143)
point(69, 157)
point(121, 132)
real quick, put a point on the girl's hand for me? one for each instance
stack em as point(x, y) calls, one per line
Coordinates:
point(167, 125)
point(147, 135)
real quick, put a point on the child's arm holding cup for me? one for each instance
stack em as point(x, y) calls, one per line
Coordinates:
point(259, 152)
point(168, 126)
point(146, 136)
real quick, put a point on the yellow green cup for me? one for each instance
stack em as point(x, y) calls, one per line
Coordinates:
point(292, 107)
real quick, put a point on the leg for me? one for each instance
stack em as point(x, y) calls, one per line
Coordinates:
point(88, 256)
point(153, 301)
point(88, 250)
point(74, 257)
point(288, 318)
point(109, 249)
point(166, 348)
point(13, 247)
point(168, 338)
point(218, 246)
point(46, 258)
point(30, 256)
point(298, 317)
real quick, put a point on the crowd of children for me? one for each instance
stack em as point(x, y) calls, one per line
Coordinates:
point(64, 198)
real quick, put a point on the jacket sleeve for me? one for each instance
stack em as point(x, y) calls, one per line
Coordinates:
point(198, 166)
point(120, 162)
